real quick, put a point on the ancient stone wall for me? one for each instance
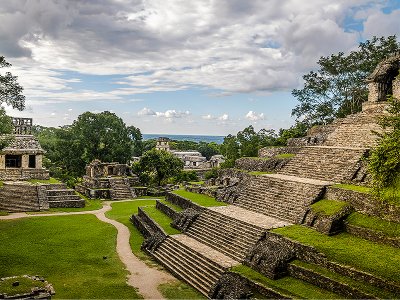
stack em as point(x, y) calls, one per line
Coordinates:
point(261, 164)
point(274, 151)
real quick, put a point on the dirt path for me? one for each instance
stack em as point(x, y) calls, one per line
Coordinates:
point(142, 277)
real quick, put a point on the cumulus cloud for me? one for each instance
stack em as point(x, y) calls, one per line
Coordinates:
point(146, 112)
point(172, 114)
point(252, 116)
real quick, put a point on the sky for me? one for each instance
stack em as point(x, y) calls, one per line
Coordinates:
point(202, 67)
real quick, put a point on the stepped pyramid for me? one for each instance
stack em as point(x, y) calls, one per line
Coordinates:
point(215, 239)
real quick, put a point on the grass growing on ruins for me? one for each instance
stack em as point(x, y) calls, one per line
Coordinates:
point(121, 212)
point(51, 180)
point(359, 285)
point(196, 182)
point(378, 259)
point(161, 219)
point(25, 285)
point(1, 184)
point(285, 155)
point(74, 253)
point(289, 286)
point(352, 187)
point(255, 173)
point(199, 199)
point(179, 290)
point(328, 207)
point(388, 228)
point(175, 207)
point(3, 213)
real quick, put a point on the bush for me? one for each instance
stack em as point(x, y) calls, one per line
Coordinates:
point(213, 173)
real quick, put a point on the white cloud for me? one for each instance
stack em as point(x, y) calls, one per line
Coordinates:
point(253, 116)
point(224, 117)
point(172, 114)
point(146, 112)
point(208, 117)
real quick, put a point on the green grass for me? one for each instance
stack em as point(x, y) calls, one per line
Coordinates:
point(48, 181)
point(68, 252)
point(121, 212)
point(199, 199)
point(1, 184)
point(3, 213)
point(288, 286)
point(352, 187)
point(328, 207)
point(179, 290)
point(171, 205)
point(359, 285)
point(25, 286)
point(161, 219)
point(378, 259)
point(256, 173)
point(392, 194)
point(388, 228)
point(285, 155)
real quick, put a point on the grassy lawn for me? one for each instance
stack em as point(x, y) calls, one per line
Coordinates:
point(69, 252)
point(121, 212)
point(25, 285)
point(391, 229)
point(381, 260)
point(352, 187)
point(161, 219)
point(289, 286)
point(179, 290)
point(328, 207)
point(49, 181)
point(199, 199)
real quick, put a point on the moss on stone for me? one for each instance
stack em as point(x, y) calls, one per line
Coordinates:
point(161, 219)
point(199, 199)
point(388, 228)
point(352, 187)
point(328, 207)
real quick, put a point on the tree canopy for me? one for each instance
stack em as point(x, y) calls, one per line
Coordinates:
point(10, 90)
point(92, 136)
point(6, 127)
point(338, 87)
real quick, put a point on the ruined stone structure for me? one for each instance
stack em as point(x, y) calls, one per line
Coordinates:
point(108, 181)
point(193, 160)
point(22, 159)
point(214, 239)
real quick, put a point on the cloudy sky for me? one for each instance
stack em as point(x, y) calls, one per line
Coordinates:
point(178, 66)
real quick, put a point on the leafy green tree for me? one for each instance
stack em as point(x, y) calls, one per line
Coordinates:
point(230, 147)
point(295, 131)
point(161, 163)
point(6, 128)
point(136, 136)
point(208, 149)
point(384, 162)
point(338, 87)
point(10, 90)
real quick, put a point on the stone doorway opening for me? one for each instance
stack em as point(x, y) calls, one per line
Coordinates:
point(13, 161)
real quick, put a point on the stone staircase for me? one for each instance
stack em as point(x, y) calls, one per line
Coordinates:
point(336, 164)
point(59, 195)
point(354, 131)
point(230, 236)
point(192, 261)
point(120, 189)
point(280, 196)
point(19, 196)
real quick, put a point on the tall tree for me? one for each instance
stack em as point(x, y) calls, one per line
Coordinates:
point(161, 163)
point(338, 87)
point(137, 138)
point(6, 127)
point(10, 90)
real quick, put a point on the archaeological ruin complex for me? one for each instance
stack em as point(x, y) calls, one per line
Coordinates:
point(246, 233)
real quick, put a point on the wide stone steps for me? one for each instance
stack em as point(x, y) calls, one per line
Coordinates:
point(120, 190)
point(189, 264)
point(286, 198)
point(336, 164)
point(227, 235)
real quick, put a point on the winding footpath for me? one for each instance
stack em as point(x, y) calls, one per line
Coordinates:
point(142, 277)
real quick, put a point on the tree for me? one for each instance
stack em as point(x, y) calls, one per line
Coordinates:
point(384, 162)
point(10, 90)
point(6, 128)
point(136, 136)
point(92, 136)
point(161, 163)
point(295, 131)
point(338, 87)
point(208, 149)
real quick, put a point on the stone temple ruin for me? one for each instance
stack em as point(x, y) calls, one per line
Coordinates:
point(215, 239)
point(193, 160)
point(20, 162)
point(108, 181)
